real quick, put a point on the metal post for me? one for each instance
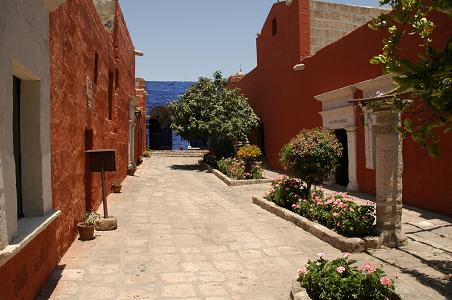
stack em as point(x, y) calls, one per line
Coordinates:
point(104, 197)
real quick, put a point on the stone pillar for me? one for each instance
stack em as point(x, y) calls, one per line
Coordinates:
point(389, 168)
point(352, 160)
point(132, 108)
point(3, 232)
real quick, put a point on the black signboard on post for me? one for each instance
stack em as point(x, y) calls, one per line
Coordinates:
point(102, 160)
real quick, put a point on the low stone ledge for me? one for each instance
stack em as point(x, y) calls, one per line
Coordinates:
point(345, 244)
point(233, 182)
point(28, 229)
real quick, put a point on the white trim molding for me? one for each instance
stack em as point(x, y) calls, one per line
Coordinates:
point(338, 113)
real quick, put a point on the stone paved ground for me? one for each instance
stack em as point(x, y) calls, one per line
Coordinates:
point(184, 234)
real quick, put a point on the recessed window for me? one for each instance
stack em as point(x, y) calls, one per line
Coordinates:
point(96, 67)
point(110, 95)
point(274, 27)
point(16, 144)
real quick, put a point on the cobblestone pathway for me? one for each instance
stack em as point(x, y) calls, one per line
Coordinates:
point(184, 234)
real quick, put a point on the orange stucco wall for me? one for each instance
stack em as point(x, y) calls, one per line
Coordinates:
point(284, 99)
point(76, 34)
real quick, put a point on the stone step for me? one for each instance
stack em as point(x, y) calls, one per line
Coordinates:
point(178, 153)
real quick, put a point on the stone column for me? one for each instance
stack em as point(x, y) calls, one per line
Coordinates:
point(389, 168)
point(132, 107)
point(352, 161)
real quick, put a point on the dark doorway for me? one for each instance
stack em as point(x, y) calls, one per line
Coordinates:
point(342, 169)
point(159, 138)
point(17, 145)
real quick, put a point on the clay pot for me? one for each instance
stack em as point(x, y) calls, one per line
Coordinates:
point(131, 172)
point(116, 188)
point(86, 233)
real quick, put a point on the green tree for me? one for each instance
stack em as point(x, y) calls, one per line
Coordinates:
point(428, 78)
point(210, 109)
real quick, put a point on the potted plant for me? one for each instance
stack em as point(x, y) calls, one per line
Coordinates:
point(86, 226)
point(116, 186)
point(131, 169)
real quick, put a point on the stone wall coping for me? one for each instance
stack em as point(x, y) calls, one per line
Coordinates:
point(27, 230)
point(233, 182)
point(345, 244)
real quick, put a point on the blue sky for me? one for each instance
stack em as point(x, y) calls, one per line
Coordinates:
point(185, 39)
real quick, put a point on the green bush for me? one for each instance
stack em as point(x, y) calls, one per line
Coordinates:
point(221, 147)
point(340, 279)
point(232, 167)
point(312, 155)
point(286, 192)
point(210, 159)
point(235, 168)
point(334, 211)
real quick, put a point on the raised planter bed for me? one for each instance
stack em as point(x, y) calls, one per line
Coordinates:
point(345, 244)
point(299, 293)
point(233, 182)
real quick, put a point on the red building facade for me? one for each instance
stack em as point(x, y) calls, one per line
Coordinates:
point(92, 86)
point(284, 88)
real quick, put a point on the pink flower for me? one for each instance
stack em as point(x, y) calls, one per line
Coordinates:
point(303, 270)
point(287, 188)
point(340, 205)
point(397, 275)
point(346, 255)
point(334, 215)
point(320, 255)
point(340, 270)
point(294, 205)
point(329, 202)
point(368, 268)
point(386, 281)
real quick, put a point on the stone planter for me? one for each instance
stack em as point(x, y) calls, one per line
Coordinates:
point(299, 293)
point(131, 172)
point(345, 244)
point(116, 188)
point(86, 233)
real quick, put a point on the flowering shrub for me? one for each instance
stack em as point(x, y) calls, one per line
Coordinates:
point(249, 153)
point(232, 167)
point(312, 155)
point(341, 279)
point(334, 211)
point(286, 192)
point(235, 168)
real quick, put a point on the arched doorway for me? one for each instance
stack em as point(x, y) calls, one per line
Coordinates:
point(159, 126)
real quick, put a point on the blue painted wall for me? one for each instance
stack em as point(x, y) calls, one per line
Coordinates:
point(161, 93)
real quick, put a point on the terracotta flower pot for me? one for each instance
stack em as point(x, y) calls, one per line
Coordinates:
point(86, 233)
point(116, 188)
